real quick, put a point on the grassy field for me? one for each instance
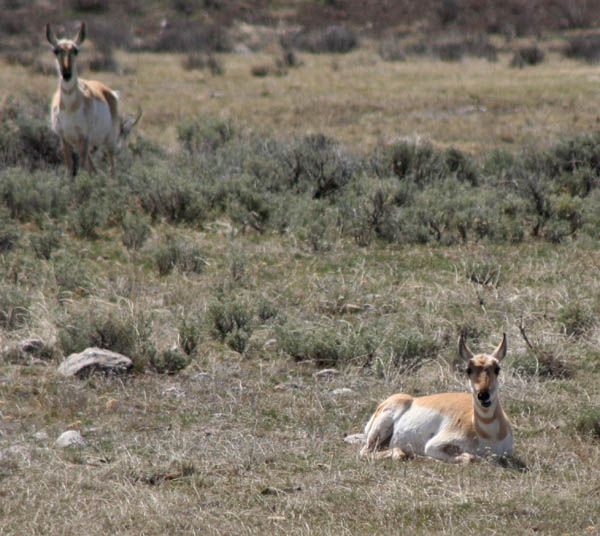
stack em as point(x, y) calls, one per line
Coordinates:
point(247, 438)
point(358, 98)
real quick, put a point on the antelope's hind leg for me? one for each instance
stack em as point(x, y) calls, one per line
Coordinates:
point(448, 451)
point(378, 433)
point(85, 158)
point(378, 436)
point(111, 162)
point(380, 428)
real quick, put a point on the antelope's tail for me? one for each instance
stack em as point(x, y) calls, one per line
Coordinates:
point(127, 125)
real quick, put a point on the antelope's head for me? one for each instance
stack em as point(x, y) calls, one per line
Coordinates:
point(65, 51)
point(483, 371)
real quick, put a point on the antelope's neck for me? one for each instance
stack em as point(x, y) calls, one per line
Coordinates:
point(490, 423)
point(69, 91)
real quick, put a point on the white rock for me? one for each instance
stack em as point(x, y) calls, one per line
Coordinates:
point(70, 438)
point(92, 359)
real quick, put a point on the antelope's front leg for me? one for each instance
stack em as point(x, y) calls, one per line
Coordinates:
point(69, 160)
point(465, 458)
point(448, 451)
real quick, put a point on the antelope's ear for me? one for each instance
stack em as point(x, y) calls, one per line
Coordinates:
point(51, 36)
point(463, 350)
point(500, 351)
point(80, 35)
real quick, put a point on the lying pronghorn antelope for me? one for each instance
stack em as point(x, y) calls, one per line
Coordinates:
point(84, 113)
point(454, 427)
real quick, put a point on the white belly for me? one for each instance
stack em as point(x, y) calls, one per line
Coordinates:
point(416, 427)
point(96, 125)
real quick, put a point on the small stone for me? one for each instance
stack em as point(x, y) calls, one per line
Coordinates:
point(271, 490)
point(241, 48)
point(355, 439)
point(342, 391)
point(70, 438)
point(326, 374)
point(201, 377)
point(28, 350)
point(270, 345)
point(41, 436)
point(32, 346)
point(175, 391)
point(111, 404)
point(559, 423)
point(259, 343)
point(287, 385)
point(94, 359)
point(351, 308)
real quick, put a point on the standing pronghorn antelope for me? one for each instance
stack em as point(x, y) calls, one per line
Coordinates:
point(454, 427)
point(84, 113)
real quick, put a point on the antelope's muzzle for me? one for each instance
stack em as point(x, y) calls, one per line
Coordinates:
point(66, 69)
point(484, 398)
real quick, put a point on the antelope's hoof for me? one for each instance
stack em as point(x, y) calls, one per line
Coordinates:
point(465, 458)
point(399, 455)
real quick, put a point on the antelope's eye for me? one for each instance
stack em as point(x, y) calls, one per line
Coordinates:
point(57, 51)
point(497, 370)
point(469, 370)
point(75, 52)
